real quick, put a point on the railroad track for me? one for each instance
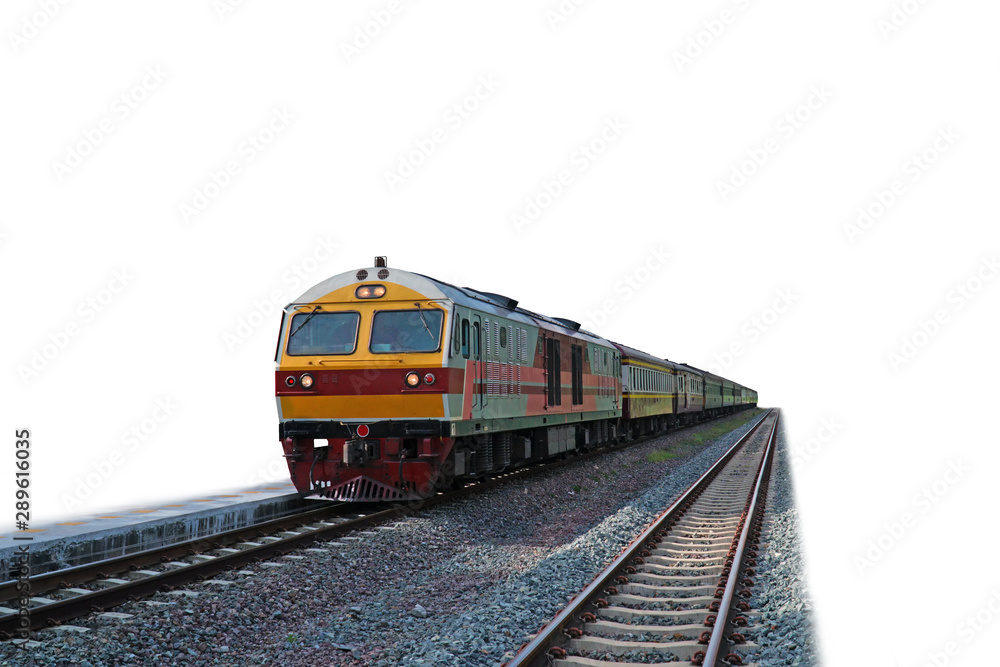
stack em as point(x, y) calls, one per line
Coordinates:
point(683, 589)
point(62, 595)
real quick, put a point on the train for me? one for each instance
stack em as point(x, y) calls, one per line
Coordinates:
point(392, 386)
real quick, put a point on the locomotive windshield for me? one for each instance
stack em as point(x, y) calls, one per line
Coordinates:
point(416, 330)
point(323, 333)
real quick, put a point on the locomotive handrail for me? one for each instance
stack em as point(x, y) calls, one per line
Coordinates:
point(367, 362)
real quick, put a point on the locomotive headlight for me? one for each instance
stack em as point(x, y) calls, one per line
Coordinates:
point(429, 378)
point(306, 381)
point(412, 379)
point(370, 291)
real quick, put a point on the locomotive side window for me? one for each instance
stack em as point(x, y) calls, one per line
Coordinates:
point(475, 340)
point(417, 330)
point(465, 338)
point(323, 333)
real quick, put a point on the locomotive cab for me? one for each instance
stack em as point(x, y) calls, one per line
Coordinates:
point(359, 383)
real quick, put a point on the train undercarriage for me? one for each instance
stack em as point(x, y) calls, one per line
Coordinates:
point(405, 461)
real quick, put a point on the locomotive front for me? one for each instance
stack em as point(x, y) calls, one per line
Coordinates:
point(362, 386)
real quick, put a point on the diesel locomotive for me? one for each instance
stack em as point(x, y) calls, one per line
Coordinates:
point(392, 385)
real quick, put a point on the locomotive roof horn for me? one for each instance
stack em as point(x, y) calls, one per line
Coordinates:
point(380, 261)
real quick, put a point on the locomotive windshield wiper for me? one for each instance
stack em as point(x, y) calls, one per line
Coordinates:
point(306, 321)
point(422, 320)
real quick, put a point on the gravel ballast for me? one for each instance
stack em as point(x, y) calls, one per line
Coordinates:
point(460, 584)
point(786, 635)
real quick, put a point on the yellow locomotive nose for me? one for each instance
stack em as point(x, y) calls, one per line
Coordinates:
point(362, 361)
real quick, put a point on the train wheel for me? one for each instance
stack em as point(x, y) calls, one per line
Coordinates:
point(444, 480)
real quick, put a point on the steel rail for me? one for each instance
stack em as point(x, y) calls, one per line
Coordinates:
point(534, 652)
point(61, 578)
point(51, 614)
point(755, 505)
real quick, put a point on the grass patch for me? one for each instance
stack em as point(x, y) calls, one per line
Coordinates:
point(709, 432)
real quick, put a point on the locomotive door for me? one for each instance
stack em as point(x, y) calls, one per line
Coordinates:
point(478, 365)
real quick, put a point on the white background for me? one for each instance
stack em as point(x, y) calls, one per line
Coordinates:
point(678, 129)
